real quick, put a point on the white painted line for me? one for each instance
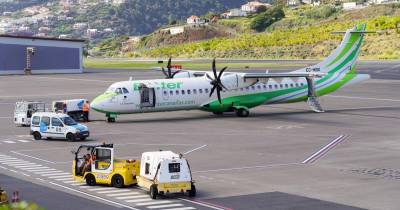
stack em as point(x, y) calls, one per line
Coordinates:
point(155, 202)
point(59, 177)
point(315, 156)
point(16, 162)
point(4, 168)
point(132, 197)
point(123, 194)
point(68, 182)
point(101, 189)
point(85, 186)
point(364, 98)
point(182, 208)
point(73, 79)
point(76, 184)
point(24, 141)
point(192, 150)
point(57, 174)
point(202, 203)
point(39, 168)
point(65, 179)
point(139, 200)
point(164, 206)
point(25, 174)
point(32, 157)
point(13, 170)
point(21, 164)
point(8, 159)
point(93, 196)
point(49, 172)
point(10, 142)
point(113, 191)
point(30, 166)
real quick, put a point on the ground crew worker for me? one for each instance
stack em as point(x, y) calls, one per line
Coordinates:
point(85, 110)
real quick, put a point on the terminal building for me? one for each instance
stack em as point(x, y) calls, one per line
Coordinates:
point(40, 55)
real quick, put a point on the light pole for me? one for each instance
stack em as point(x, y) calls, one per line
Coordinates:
point(30, 51)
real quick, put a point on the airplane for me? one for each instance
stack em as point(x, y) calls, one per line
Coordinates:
point(220, 92)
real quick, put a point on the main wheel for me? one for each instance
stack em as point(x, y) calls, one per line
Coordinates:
point(110, 119)
point(242, 113)
point(90, 180)
point(70, 137)
point(192, 192)
point(117, 181)
point(37, 136)
point(153, 191)
point(218, 113)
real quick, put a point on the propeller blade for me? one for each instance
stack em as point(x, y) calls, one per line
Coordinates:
point(164, 72)
point(209, 77)
point(169, 63)
point(212, 90)
point(169, 68)
point(172, 76)
point(223, 86)
point(219, 95)
point(221, 72)
point(214, 69)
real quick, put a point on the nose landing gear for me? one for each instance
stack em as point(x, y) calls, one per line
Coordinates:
point(111, 117)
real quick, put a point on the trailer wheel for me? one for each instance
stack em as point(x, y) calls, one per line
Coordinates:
point(90, 180)
point(192, 192)
point(117, 181)
point(70, 137)
point(37, 136)
point(153, 191)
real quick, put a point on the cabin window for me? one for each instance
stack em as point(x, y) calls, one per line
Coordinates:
point(177, 92)
point(247, 88)
point(200, 91)
point(171, 92)
point(174, 167)
point(206, 90)
point(270, 86)
point(276, 86)
point(241, 89)
point(189, 91)
point(183, 92)
point(253, 87)
point(286, 85)
point(302, 84)
point(281, 86)
point(259, 87)
point(125, 90)
point(194, 91)
point(291, 84)
point(165, 92)
point(297, 84)
point(265, 86)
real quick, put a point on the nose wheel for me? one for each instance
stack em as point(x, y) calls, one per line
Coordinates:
point(110, 119)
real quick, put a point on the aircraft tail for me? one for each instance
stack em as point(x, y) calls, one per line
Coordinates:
point(343, 59)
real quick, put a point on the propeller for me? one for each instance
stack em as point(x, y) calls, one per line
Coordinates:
point(168, 74)
point(216, 81)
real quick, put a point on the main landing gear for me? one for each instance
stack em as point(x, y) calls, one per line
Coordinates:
point(242, 112)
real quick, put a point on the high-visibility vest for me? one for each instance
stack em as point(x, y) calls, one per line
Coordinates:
point(85, 107)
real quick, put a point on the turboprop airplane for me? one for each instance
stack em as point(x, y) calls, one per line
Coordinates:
point(220, 92)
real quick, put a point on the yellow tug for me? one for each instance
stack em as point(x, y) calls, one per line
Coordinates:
point(159, 172)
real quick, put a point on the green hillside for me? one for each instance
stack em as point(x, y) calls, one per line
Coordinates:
point(304, 33)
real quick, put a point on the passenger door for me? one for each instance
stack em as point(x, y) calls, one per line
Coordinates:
point(147, 96)
point(57, 128)
point(45, 126)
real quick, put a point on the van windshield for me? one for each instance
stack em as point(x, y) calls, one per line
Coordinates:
point(68, 121)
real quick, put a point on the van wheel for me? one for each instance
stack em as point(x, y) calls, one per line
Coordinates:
point(70, 137)
point(153, 191)
point(90, 180)
point(117, 181)
point(192, 192)
point(37, 136)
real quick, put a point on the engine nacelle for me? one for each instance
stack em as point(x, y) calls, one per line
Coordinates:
point(234, 81)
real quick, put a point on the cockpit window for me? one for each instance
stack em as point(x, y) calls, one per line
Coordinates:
point(125, 90)
point(118, 91)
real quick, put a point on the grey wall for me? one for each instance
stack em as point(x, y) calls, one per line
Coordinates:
point(13, 57)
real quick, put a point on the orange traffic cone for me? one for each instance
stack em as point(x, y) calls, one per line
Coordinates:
point(15, 197)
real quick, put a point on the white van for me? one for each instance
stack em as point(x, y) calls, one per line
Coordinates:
point(58, 126)
point(24, 109)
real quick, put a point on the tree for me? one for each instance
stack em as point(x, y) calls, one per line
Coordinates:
point(261, 9)
point(267, 18)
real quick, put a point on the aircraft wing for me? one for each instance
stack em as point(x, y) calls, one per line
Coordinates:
point(282, 75)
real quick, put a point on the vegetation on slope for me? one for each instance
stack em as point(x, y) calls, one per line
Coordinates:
point(300, 36)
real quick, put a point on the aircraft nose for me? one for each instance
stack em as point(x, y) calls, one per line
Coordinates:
point(98, 104)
